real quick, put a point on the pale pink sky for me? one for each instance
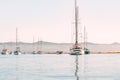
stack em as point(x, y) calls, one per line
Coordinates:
point(52, 20)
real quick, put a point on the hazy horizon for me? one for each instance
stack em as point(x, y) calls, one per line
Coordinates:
point(58, 42)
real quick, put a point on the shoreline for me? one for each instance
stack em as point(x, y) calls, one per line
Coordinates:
point(111, 52)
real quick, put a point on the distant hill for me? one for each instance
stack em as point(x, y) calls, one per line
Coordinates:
point(52, 47)
point(115, 43)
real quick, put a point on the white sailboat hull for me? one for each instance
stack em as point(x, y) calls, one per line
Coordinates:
point(76, 52)
point(17, 53)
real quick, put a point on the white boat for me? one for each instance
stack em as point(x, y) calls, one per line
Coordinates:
point(76, 49)
point(17, 51)
point(33, 47)
point(39, 48)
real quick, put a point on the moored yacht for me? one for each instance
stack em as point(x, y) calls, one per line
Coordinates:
point(17, 51)
point(76, 48)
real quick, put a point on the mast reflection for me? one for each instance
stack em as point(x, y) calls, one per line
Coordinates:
point(80, 67)
point(76, 68)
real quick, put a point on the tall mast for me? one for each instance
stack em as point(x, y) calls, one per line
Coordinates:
point(84, 37)
point(33, 44)
point(76, 23)
point(38, 45)
point(75, 3)
point(16, 37)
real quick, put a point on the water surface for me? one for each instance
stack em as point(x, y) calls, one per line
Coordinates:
point(60, 67)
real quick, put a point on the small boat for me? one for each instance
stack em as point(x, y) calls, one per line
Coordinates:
point(33, 52)
point(59, 52)
point(38, 47)
point(38, 52)
point(86, 51)
point(33, 47)
point(17, 51)
point(4, 51)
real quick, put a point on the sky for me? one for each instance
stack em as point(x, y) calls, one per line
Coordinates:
point(53, 20)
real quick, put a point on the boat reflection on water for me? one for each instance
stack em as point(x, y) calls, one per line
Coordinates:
point(80, 67)
point(77, 68)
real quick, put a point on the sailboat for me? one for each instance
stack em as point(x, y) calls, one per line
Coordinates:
point(86, 50)
point(38, 47)
point(17, 51)
point(76, 49)
point(33, 46)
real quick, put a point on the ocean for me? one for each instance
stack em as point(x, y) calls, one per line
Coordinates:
point(60, 67)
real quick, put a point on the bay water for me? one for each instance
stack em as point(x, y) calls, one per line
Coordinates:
point(60, 67)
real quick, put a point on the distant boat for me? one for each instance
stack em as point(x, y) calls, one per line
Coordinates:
point(33, 52)
point(86, 50)
point(17, 51)
point(33, 47)
point(59, 52)
point(4, 51)
point(76, 49)
point(38, 47)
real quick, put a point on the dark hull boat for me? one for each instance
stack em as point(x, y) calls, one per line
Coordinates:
point(17, 51)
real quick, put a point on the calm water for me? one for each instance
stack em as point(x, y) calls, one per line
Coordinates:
point(60, 67)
